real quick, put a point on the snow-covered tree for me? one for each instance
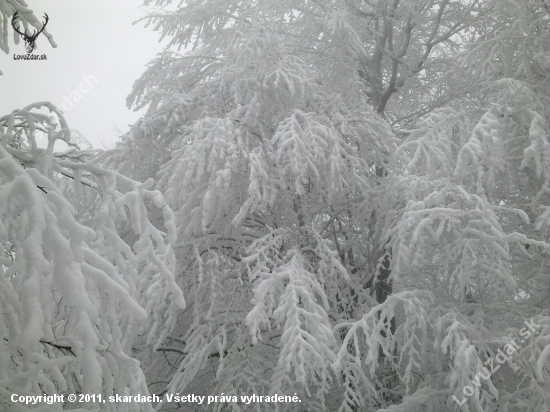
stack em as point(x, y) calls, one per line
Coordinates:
point(352, 222)
point(297, 208)
point(478, 226)
point(263, 163)
point(70, 294)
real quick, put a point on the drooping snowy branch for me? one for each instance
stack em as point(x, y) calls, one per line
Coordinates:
point(70, 292)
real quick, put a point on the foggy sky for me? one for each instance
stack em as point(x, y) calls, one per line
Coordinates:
point(95, 38)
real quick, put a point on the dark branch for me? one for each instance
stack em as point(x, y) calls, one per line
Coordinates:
point(60, 347)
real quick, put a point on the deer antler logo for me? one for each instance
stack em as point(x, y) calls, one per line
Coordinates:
point(29, 39)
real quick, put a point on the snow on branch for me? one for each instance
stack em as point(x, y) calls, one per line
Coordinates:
point(70, 295)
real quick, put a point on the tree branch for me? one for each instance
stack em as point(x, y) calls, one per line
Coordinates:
point(60, 347)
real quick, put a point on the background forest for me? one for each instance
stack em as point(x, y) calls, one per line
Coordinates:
point(345, 200)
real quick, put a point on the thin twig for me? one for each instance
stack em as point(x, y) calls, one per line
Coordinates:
point(60, 347)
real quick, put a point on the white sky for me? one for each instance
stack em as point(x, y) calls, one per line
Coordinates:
point(94, 37)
